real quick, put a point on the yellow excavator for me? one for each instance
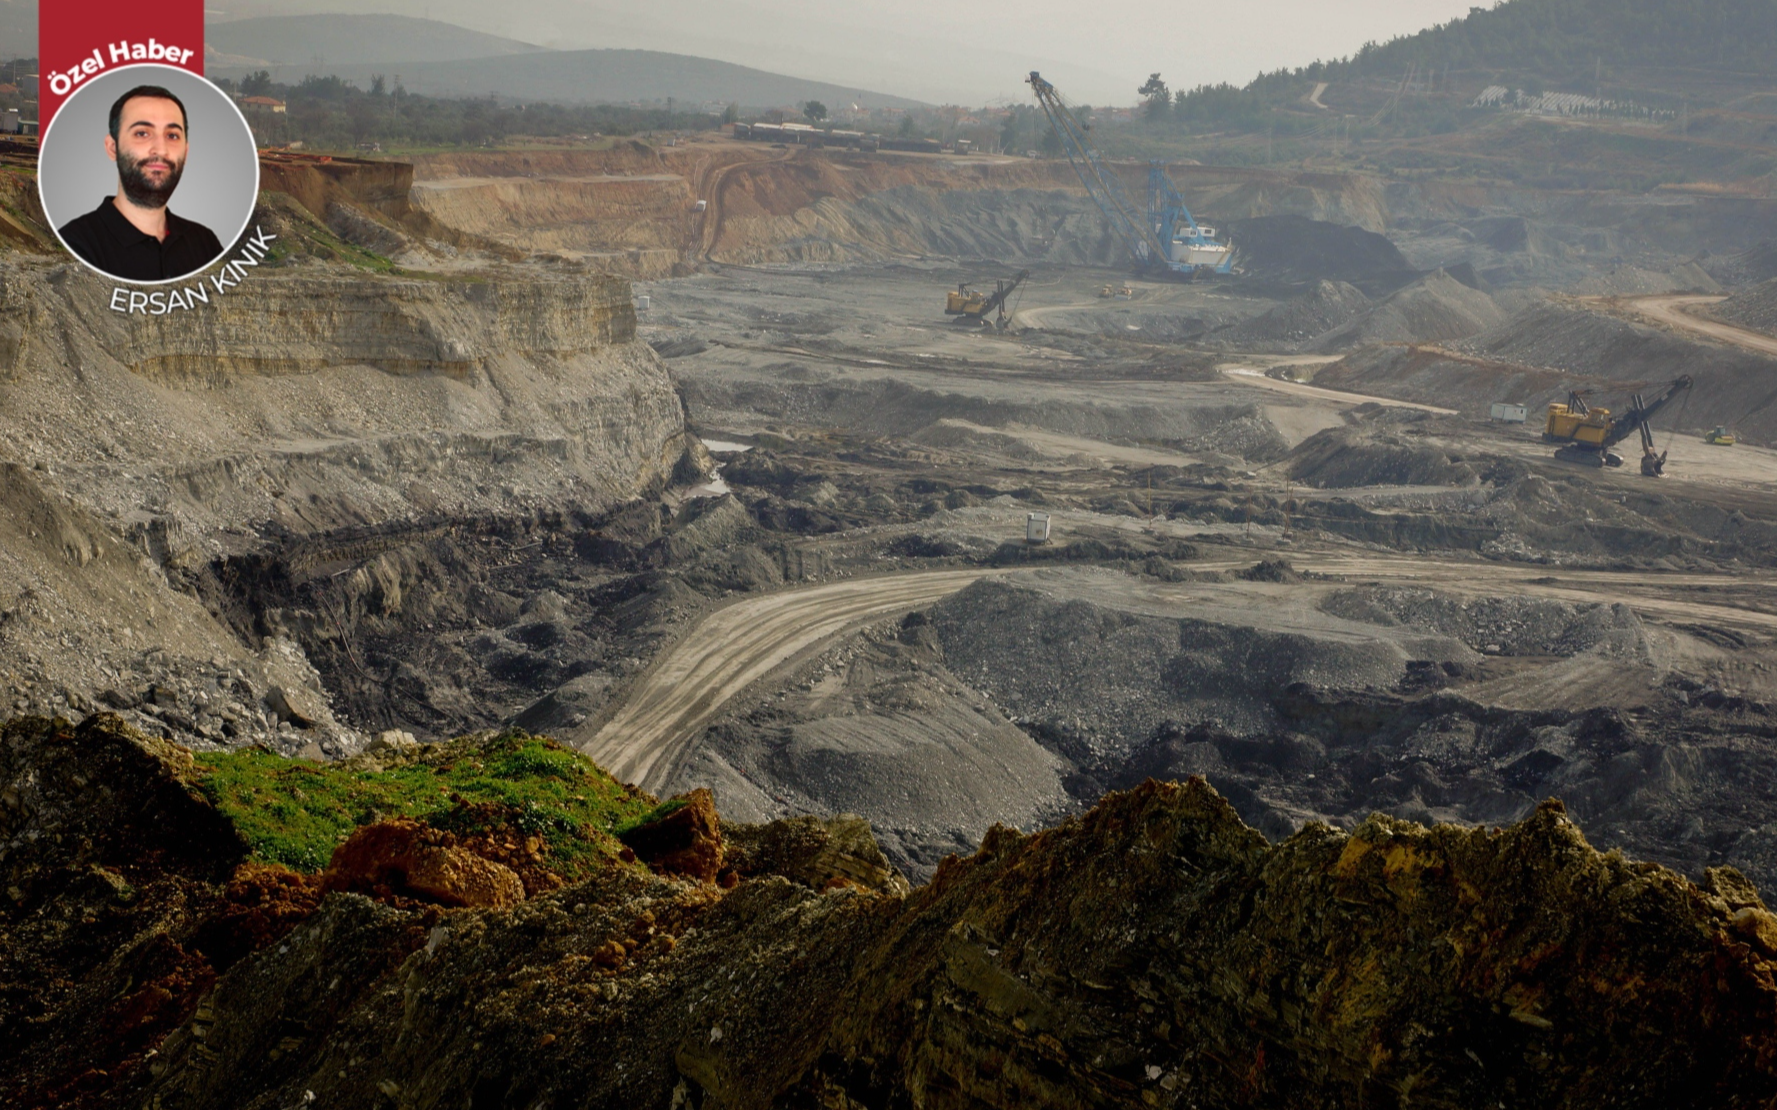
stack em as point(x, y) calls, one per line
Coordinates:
point(1587, 434)
point(1719, 436)
point(971, 306)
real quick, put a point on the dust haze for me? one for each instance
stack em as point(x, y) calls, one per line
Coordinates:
point(926, 50)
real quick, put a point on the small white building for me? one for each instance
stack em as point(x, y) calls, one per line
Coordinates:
point(1509, 413)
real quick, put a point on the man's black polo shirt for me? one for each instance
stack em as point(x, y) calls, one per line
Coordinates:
point(114, 245)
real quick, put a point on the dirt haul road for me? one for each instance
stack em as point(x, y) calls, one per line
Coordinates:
point(730, 650)
point(738, 645)
point(1249, 376)
point(710, 189)
point(1675, 311)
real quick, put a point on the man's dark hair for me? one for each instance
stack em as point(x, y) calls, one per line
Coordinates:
point(154, 91)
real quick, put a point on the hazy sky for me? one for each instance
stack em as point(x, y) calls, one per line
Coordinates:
point(968, 51)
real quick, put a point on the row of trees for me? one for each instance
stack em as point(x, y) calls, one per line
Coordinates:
point(1222, 104)
point(1566, 43)
point(1572, 37)
point(329, 113)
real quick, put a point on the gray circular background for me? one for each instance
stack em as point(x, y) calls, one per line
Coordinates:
point(221, 180)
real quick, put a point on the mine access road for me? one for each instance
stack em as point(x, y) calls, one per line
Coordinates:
point(742, 643)
point(1676, 310)
point(734, 647)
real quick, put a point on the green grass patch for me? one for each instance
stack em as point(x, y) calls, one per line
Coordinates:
point(295, 813)
point(350, 253)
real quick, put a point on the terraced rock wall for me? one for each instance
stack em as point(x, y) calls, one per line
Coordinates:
point(632, 208)
point(306, 400)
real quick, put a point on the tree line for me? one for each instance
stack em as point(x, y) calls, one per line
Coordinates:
point(1562, 42)
point(328, 113)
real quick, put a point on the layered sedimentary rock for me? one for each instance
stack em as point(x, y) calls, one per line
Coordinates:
point(634, 209)
point(320, 367)
point(291, 324)
point(303, 400)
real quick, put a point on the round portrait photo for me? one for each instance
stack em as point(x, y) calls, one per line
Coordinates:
point(148, 173)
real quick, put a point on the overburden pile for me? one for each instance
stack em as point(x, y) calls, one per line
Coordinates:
point(1296, 321)
point(1754, 308)
point(1290, 249)
point(1153, 952)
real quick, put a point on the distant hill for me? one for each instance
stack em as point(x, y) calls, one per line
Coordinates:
point(1559, 37)
point(1655, 57)
point(591, 77)
point(858, 45)
point(352, 40)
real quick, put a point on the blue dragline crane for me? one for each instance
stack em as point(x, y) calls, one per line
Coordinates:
point(1166, 239)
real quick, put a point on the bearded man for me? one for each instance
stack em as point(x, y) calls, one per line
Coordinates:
point(132, 236)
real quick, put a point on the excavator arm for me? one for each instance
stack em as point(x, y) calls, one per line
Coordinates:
point(1001, 291)
point(1100, 183)
point(1639, 414)
point(968, 305)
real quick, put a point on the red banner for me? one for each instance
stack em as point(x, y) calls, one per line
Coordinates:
point(77, 41)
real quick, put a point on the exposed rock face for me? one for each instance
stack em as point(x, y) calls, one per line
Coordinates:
point(122, 895)
point(101, 795)
point(1436, 308)
point(365, 389)
point(305, 401)
point(408, 858)
point(1754, 308)
point(823, 854)
point(1322, 308)
point(1157, 951)
point(684, 841)
point(285, 324)
point(1082, 652)
point(1372, 456)
point(631, 209)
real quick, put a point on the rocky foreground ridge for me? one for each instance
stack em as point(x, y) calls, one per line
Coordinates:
point(1153, 952)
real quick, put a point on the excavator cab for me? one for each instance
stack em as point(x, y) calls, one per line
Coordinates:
point(964, 301)
point(1576, 423)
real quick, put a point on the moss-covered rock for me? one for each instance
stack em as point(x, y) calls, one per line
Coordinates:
point(297, 813)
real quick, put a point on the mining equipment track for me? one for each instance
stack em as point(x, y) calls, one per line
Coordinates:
point(734, 647)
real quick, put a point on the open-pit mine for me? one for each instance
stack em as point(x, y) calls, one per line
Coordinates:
point(583, 627)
